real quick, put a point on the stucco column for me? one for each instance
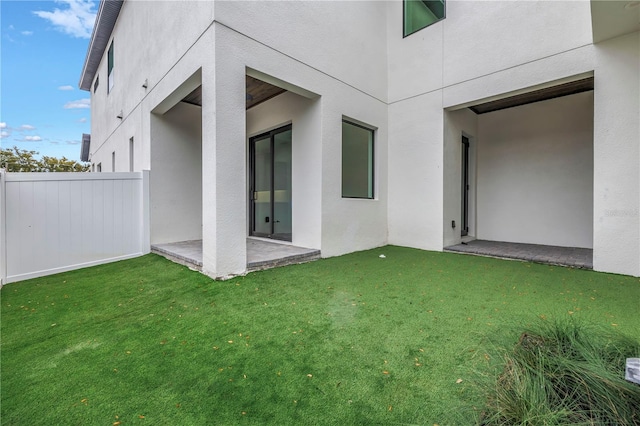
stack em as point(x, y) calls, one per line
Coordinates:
point(224, 208)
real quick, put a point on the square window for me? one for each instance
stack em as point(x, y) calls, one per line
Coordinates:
point(357, 161)
point(419, 14)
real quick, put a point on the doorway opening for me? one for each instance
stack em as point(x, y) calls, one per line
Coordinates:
point(270, 184)
point(464, 231)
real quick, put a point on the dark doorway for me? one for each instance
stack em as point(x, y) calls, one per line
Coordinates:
point(465, 186)
point(270, 184)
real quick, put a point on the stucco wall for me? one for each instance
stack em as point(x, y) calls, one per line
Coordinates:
point(176, 175)
point(478, 39)
point(535, 173)
point(415, 172)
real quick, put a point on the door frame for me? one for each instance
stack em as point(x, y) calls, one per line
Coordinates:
point(252, 158)
point(465, 187)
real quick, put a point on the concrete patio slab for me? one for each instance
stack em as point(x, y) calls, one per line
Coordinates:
point(552, 255)
point(261, 254)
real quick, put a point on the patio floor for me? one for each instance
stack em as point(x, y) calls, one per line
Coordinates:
point(553, 255)
point(261, 254)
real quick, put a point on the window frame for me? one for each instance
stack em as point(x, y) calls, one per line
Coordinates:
point(110, 66)
point(404, 17)
point(373, 131)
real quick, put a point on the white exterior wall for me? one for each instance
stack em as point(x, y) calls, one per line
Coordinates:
point(145, 49)
point(535, 173)
point(176, 176)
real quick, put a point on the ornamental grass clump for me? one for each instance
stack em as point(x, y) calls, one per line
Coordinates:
point(565, 373)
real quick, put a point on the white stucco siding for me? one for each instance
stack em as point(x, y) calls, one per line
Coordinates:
point(146, 47)
point(617, 156)
point(535, 173)
point(350, 224)
point(343, 39)
point(304, 116)
point(484, 37)
point(176, 176)
point(415, 172)
point(478, 39)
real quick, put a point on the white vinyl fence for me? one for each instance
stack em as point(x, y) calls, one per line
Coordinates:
point(56, 222)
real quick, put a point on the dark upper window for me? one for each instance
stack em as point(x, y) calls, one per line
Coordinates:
point(357, 161)
point(96, 83)
point(419, 14)
point(110, 68)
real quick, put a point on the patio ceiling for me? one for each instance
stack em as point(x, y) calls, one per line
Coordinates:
point(565, 89)
point(257, 91)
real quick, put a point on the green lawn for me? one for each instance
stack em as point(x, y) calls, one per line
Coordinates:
point(355, 339)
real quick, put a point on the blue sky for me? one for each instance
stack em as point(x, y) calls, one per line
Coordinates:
point(43, 46)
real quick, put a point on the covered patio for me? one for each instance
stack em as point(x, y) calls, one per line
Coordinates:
point(573, 257)
point(261, 254)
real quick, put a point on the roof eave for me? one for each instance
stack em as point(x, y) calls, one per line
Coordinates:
point(108, 12)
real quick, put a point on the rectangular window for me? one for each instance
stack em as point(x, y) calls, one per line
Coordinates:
point(93, 167)
point(131, 154)
point(419, 14)
point(113, 161)
point(99, 167)
point(357, 161)
point(110, 68)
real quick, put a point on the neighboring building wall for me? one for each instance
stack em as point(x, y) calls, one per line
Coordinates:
point(535, 173)
point(176, 175)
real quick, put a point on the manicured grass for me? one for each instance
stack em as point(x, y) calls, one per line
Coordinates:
point(350, 340)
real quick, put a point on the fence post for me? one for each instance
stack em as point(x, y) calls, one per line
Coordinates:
point(146, 223)
point(3, 228)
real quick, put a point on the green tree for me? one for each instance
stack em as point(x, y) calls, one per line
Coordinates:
point(22, 160)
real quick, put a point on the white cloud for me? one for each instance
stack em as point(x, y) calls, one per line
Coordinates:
point(31, 139)
point(11, 27)
point(82, 120)
point(26, 127)
point(76, 20)
point(4, 134)
point(3, 125)
point(26, 33)
point(80, 103)
point(67, 87)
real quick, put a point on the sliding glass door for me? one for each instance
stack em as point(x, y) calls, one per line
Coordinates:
point(270, 184)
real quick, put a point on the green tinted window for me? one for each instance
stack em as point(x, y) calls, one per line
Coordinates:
point(419, 14)
point(357, 161)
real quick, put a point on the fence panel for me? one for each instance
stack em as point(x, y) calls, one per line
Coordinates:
point(56, 222)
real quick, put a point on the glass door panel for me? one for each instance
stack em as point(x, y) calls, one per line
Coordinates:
point(282, 185)
point(262, 173)
point(270, 189)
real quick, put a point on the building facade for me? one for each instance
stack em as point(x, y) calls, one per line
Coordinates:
point(348, 125)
